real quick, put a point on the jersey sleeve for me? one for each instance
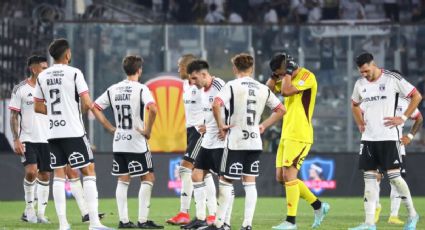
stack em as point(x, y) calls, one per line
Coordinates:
point(38, 95)
point(223, 97)
point(307, 81)
point(15, 101)
point(355, 97)
point(147, 97)
point(404, 88)
point(273, 102)
point(278, 86)
point(103, 101)
point(81, 84)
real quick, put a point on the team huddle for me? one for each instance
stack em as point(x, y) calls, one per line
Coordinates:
point(224, 130)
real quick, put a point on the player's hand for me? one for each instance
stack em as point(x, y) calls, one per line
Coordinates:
point(405, 140)
point(202, 129)
point(18, 147)
point(362, 127)
point(275, 76)
point(393, 121)
point(144, 132)
point(222, 131)
point(291, 66)
point(262, 129)
point(113, 130)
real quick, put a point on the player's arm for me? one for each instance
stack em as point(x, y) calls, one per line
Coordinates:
point(100, 116)
point(152, 111)
point(415, 99)
point(287, 88)
point(40, 107)
point(272, 82)
point(358, 116)
point(406, 139)
point(14, 126)
point(86, 102)
point(277, 115)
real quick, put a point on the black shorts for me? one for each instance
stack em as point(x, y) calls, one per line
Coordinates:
point(74, 151)
point(209, 159)
point(379, 155)
point(236, 163)
point(403, 170)
point(135, 164)
point(37, 153)
point(194, 140)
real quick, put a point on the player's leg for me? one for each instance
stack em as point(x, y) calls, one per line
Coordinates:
point(140, 165)
point(43, 178)
point(368, 162)
point(29, 161)
point(211, 197)
point(77, 192)
point(378, 209)
point(251, 169)
point(394, 196)
point(393, 163)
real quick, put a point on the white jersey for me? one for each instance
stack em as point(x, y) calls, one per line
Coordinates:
point(32, 125)
point(192, 105)
point(402, 105)
point(61, 87)
point(245, 99)
point(128, 100)
point(210, 139)
point(378, 101)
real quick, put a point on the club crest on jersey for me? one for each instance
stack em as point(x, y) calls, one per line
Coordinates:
point(211, 99)
point(193, 92)
point(174, 182)
point(76, 158)
point(382, 87)
point(318, 174)
point(301, 82)
point(236, 169)
point(135, 167)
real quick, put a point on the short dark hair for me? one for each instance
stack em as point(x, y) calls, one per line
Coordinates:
point(58, 47)
point(36, 59)
point(131, 64)
point(197, 65)
point(243, 61)
point(363, 59)
point(276, 61)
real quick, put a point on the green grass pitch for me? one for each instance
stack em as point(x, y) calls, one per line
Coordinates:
point(344, 213)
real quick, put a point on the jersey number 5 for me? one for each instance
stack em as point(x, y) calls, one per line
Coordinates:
point(250, 119)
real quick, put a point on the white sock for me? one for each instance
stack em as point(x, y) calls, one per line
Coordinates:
point(378, 204)
point(121, 197)
point(403, 191)
point(187, 188)
point(145, 193)
point(224, 197)
point(60, 200)
point(229, 209)
point(250, 202)
point(211, 194)
point(200, 196)
point(370, 195)
point(43, 197)
point(395, 201)
point(78, 193)
point(91, 197)
point(35, 202)
point(29, 196)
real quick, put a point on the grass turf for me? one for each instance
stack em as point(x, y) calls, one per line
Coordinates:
point(345, 212)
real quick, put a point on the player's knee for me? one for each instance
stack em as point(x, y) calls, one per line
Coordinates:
point(44, 176)
point(186, 164)
point(149, 177)
point(88, 171)
point(30, 173)
point(197, 176)
point(279, 178)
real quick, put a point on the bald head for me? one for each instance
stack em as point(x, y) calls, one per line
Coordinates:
point(183, 62)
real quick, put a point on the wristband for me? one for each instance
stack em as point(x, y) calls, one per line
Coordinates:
point(410, 136)
point(404, 118)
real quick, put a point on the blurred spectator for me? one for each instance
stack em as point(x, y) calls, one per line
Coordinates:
point(315, 12)
point(299, 10)
point(420, 86)
point(241, 7)
point(351, 10)
point(327, 68)
point(157, 6)
point(182, 12)
point(214, 16)
point(235, 18)
point(398, 41)
point(420, 47)
point(330, 9)
point(218, 3)
point(392, 10)
point(376, 45)
point(270, 15)
point(283, 9)
point(418, 10)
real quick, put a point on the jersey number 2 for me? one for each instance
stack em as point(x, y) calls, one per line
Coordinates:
point(54, 94)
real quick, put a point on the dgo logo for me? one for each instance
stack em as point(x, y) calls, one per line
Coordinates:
point(169, 129)
point(318, 174)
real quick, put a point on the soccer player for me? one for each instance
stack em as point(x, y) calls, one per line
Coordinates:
point(405, 140)
point(30, 141)
point(195, 129)
point(132, 158)
point(211, 148)
point(245, 99)
point(299, 87)
point(59, 91)
point(378, 91)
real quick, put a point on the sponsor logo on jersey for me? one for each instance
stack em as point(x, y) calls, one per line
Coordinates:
point(318, 174)
point(169, 130)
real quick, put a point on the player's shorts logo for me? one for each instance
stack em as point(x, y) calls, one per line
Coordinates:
point(115, 166)
point(236, 169)
point(318, 174)
point(255, 167)
point(52, 159)
point(76, 158)
point(135, 167)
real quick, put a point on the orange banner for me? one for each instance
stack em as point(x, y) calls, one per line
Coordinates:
point(169, 129)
